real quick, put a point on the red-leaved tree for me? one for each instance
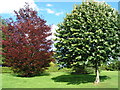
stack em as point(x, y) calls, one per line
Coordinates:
point(27, 49)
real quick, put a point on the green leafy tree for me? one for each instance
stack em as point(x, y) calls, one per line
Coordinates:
point(2, 36)
point(112, 66)
point(88, 35)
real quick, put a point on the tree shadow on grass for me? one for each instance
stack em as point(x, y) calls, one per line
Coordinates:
point(42, 74)
point(78, 79)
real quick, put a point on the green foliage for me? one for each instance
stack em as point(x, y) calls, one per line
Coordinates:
point(54, 68)
point(2, 36)
point(113, 66)
point(2, 22)
point(88, 35)
point(6, 70)
point(82, 70)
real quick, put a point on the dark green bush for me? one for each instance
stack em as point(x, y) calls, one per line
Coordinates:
point(114, 66)
point(54, 68)
point(83, 70)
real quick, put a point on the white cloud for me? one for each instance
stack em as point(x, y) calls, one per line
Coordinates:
point(53, 31)
point(8, 6)
point(59, 13)
point(49, 10)
point(99, 1)
point(49, 5)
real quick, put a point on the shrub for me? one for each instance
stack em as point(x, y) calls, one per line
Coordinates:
point(83, 70)
point(113, 66)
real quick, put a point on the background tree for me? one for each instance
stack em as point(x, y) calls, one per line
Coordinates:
point(88, 35)
point(2, 36)
point(27, 49)
point(112, 66)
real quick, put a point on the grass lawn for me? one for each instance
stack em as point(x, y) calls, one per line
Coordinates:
point(109, 79)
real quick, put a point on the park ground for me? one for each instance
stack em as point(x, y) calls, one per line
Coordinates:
point(53, 78)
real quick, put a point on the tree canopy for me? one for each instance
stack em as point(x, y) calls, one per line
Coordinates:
point(27, 49)
point(88, 35)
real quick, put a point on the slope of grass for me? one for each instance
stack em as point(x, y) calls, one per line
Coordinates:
point(109, 79)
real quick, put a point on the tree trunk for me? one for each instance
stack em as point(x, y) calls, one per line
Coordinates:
point(97, 80)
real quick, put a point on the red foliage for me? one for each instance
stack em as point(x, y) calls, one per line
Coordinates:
point(27, 50)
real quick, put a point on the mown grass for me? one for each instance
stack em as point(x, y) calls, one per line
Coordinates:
point(61, 79)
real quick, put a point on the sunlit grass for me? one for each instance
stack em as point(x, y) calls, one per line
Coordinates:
point(109, 79)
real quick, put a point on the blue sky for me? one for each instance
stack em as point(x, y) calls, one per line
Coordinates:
point(63, 8)
point(53, 12)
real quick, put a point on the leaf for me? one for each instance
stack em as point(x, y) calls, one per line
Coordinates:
point(79, 57)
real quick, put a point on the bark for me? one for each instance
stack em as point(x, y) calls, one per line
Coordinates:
point(97, 80)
